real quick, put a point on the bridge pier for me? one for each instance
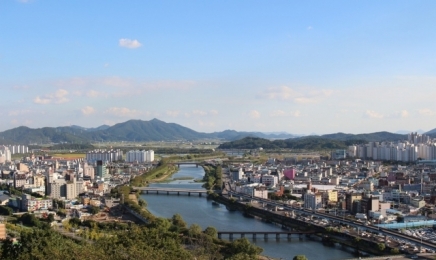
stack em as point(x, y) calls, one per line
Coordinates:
point(168, 193)
point(219, 235)
point(146, 191)
point(178, 193)
point(265, 236)
point(189, 193)
point(300, 236)
point(199, 194)
point(242, 235)
point(231, 236)
point(278, 236)
point(254, 235)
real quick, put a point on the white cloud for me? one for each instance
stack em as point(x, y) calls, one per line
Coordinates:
point(59, 97)
point(373, 114)
point(42, 101)
point(277, 113)
point(254, 114)
point(199, 112)
point(93, 94)
point(128, 43)
point(20, 112)
point(309, 27)
point(213, 112)
point(426, 112)
point(122, 112)
point(296, 95)
point(88, 110)
point(173, 113)
point(404, 113)
point(281, 113)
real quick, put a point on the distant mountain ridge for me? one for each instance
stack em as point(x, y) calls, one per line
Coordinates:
point(157, 130)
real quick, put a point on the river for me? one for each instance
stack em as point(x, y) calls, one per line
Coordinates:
point(198, 210)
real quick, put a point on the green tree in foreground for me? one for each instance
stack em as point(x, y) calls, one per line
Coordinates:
point(300, 257)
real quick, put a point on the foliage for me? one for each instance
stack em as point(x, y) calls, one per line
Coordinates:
point(332, 141)
point(5, 210)
point(154, 241)
point(395, 251)
point(300, 257)
point(211, 231)
point(94, 210)
point(212, 177)
point(381, 246)
point(309, 143)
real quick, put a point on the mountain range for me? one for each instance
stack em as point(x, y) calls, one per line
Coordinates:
point(157, 130)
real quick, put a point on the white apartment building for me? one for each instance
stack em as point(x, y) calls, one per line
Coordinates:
point(253, 190)
point(104, 155)
point(140, 156)
point(269, 180)
point(5, 154)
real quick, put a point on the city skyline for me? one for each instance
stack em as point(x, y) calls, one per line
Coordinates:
point(301, 68)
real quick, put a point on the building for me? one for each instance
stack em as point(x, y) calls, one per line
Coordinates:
point(140, 156)
point(100, 169)
point(312, 200)
point(31, 204)
point(104, 155)
point(339, 154)
point(5, 154)
point(2, 231)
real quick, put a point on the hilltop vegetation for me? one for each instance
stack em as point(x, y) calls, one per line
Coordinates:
point(307, 143)
point(162, 239)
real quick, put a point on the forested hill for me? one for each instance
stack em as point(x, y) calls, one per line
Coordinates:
point(308, 143)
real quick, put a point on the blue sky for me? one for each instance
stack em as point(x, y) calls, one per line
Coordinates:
point(300, 67)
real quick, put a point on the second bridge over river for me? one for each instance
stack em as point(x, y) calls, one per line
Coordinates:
point(169, 191)
point(265, 234)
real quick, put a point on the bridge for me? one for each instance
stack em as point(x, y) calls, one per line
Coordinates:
point(187, 163)
point(169, 191)
point(265, 234)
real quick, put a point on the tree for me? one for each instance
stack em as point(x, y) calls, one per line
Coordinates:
point(211, 231)
point(4, 210)
point(381, 246)
point(50, 218)
point(395, 251)
point(300, 257)
point(94, 210)
point(142, 203)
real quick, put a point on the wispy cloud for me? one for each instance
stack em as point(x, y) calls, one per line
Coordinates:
point(20, 112)
point(173, 113)
point(128, 43)
point(122, 112)
point(88, 110)
point(373, 114)
point(286, 93)
point(426, 112)
point(59, 97)
point(281, 113)
point(254, 114)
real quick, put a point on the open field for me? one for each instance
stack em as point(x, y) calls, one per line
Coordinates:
point(69, 155)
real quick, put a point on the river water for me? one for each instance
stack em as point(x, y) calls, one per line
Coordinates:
point(198, 210)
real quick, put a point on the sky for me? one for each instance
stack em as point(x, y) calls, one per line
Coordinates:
point(300, 67)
